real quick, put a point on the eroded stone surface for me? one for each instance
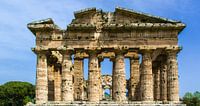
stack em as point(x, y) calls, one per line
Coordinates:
point(172, 78)
point(78, 79)
point(41, 79)
point(146, 87)
point(67, 78)
point(134, 78)
point(93, 78)
point(119, 79)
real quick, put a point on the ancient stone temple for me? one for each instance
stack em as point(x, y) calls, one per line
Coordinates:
point(150, 42)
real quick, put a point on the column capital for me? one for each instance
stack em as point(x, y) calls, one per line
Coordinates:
point(135, 57)
point(100, 58)
point(92, 52)
point(78, 56)
point(144, 51)
point(171, 54)
point(146, 55)
point(174, 50)
point(39, 51)
point(120, 51)
point(132, 55)
point(112, 58)
point(66, 52)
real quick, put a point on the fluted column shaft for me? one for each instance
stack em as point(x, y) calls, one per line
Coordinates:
point(78, 79)
point(157, 83)
point(119, 78)
point(146, 87)
point(67, 84)
point(134, 78)
point(93, 78)
point(172, 78)
point(163, 78)
point(50, 82)
point(41, 79)
point(57, 85)
point(100, 81)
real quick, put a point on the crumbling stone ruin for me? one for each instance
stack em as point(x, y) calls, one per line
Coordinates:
point(95, 34)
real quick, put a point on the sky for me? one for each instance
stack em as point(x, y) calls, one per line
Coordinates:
point(18, 62)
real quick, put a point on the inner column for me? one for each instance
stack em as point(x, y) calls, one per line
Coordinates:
point(57, 82)
point(156, 74)
point(163, 79)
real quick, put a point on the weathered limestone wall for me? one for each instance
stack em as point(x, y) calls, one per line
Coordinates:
point(67, 84)
point(119, 79)
point(41, 79)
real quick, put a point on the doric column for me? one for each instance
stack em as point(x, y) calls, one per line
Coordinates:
point(101, 91)
point(57, 83)
point(41, 79)
point(78, 78)
point(93, 78)
point(156, 72)
point(67, 78)
point(111, 92)
point(50, 82)
point(172, 78)
point(113, 71)
point(146, 87)
point(119, 78)
point(134, 77)
point(163, 83)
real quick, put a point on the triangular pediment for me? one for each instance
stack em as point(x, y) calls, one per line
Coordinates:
point(123, 15)
point(119, 16)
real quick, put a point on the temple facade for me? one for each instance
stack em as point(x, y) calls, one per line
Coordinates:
point(150, 42)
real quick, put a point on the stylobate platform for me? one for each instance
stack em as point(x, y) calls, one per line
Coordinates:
point(110, 103)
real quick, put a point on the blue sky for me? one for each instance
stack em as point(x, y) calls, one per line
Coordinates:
point(18, 62)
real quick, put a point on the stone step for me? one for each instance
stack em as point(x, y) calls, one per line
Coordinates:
point(108, 103)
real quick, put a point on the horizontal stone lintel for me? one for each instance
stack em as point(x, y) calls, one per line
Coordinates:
point(107, 50)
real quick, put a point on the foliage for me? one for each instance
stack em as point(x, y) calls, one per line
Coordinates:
point(16, 93)
point(192, 99)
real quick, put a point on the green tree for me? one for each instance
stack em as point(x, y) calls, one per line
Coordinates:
point(187, 99)
point(192, 99)
point(16, 93)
